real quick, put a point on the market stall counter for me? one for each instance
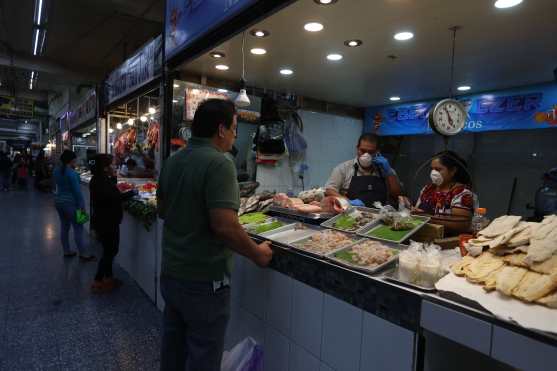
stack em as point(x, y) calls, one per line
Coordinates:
point(139, 233)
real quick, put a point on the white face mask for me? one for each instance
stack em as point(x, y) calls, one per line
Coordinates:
point(365, 160)
point(436, 177)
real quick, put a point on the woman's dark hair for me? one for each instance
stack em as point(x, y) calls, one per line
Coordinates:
point(210, 114)
point(67, 157)
point(451, 160)
point(102, 161)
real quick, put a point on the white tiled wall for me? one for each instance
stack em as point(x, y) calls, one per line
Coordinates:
point(304, 329)
point(331, 140)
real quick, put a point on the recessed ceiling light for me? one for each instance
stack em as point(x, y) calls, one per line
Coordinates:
point(119, 126)
point(286, 72)
point(325, 2)
point(130, 122)
point(464, 88)
point(394, 99)
point(258, 51)
point(313, 27)
point(403, 36)
point(334, 57)
point(143, 118)
point(502, 4)
point(353, 43)
point(152, 110)
point(222, 67)
point(217, 55)
point(259, 33)
point(176, 85)
point(223, 91)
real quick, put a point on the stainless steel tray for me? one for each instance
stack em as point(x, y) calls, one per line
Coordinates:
point(360, 268)
point(291, 233)
point(367, 229)
point(297, 214)
point(294, 246)
point(331, 222)
point(249, 227)
point(392, 275)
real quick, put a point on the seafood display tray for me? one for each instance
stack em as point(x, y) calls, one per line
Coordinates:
point(363, 269)
point(321, 255)
point(296, 214)
point(370, 227)
point(331, 222)
point(291, 233)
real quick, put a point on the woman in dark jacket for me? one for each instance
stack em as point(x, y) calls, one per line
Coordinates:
point(107, 213)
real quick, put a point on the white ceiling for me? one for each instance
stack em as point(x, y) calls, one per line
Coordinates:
point(495, 49)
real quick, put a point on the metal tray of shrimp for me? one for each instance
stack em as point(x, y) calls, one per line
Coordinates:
point(335, 257)
point(291, 232)
point(301, 245)
point(331, 223)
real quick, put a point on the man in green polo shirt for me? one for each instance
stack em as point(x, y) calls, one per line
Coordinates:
point(198, 198)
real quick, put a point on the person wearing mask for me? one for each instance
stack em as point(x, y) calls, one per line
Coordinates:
point(68, 199)
point(198, 199)
point(107, 214)
point(448, 199)
point(5, 172)
point(367, 178)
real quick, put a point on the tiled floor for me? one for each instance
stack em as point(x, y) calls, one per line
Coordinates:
point(49, 320)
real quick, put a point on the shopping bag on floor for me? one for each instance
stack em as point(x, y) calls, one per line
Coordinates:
point(247, 355)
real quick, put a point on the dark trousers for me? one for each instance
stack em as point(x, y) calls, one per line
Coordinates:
point(194, 325)
point(110, 241)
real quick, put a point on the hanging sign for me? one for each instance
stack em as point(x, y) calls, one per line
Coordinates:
point(188, 20)
point(86, 111)
point(142, 68)
point(516, 109)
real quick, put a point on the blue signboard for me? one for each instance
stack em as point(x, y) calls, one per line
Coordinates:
point(188, 20)
point(533, 107)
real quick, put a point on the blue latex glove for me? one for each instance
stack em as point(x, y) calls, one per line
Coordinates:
point(383, 164)
point(357, 202)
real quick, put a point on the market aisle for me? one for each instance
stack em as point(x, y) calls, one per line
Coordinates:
point(49, 320)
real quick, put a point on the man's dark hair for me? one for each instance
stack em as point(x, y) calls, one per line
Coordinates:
point(369, 137)
point(102, 161)
point(451, 160)
point(210, 114)
point(67, 157)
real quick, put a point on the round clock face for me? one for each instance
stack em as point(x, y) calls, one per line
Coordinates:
point(448, 117)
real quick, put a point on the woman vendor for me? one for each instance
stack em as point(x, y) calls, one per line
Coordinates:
point(448, 199)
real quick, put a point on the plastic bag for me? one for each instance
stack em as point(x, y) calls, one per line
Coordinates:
point(421, 264)
point(247, 355)
point(81, 217)
point(398, 220)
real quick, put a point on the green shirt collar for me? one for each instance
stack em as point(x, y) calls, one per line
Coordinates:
point(198, 142)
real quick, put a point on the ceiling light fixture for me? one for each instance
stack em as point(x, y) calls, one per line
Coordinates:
point(353, 43)
point(503, 4)
point(223, 91)
point(39, 11)
point(335, 57)
point(174, 100)
point(110, 130)
point(119, 126)
point(258, 51)
point(286, 72)
point(176, 85)
point(152, 110)
point(36, 41)
point(218, 55)
point(394, 99)
point(130, 122)
point(313, 27)
point(259, 33)
point(464, 88)
point(143, 118)
point(403, 36)
point(325, 2)
point(222, 67)
point(242, 100)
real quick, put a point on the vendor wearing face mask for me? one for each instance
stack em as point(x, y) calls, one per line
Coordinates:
point(449, 198)
point(367, 178)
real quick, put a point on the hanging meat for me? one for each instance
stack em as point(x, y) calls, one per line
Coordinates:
point(125, 142)
point(152, 140)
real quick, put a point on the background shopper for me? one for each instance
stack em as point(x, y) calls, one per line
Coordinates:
point(68, 199)
point(5, 171)
point(106, 203)
point(198, 198)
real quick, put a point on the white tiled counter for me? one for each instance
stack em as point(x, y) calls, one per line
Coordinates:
point(304, 329)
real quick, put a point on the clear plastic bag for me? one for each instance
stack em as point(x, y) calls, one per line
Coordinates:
point(247, 355)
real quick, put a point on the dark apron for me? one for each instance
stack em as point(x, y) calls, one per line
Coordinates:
point(368, 188)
